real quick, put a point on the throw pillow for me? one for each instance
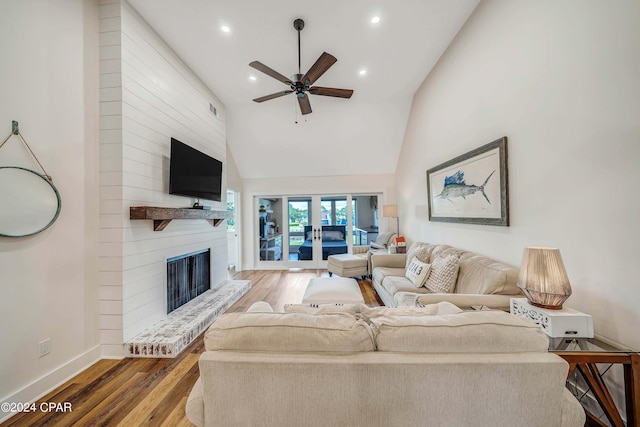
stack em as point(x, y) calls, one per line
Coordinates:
point(417, 271)
point(383, 238)
point(419, 250)
point(375, 245)
point(444, 272)
point(332, 236)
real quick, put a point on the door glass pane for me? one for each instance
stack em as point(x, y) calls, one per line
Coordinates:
point(334, 226)
point(269, 222)
point(300, 233)
point(365, 223)
point(340, 207)
point(326, 212)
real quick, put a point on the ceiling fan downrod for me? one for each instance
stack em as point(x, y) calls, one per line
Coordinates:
point(298, 24)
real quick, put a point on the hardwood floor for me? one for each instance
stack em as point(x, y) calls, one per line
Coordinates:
point(132, 392)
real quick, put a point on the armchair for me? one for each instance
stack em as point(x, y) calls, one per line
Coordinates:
point(382, 243)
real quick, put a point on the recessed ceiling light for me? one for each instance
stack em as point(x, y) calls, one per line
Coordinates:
point(225, 29)
point(252, 78)
point(362, 72)
point(375, 19)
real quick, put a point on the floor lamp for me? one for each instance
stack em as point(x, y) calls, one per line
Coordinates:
point(391, 211)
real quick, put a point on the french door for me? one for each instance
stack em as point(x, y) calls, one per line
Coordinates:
point(302, 231)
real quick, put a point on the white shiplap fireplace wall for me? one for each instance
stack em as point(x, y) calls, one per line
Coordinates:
point(147, 96)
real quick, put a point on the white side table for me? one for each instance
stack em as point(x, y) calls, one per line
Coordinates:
point(567, 322)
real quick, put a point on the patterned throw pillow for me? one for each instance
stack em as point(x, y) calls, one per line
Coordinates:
point(417, 272)
point(444, 272)
point(419, 250)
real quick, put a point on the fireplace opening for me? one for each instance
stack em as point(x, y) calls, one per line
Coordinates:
point(187, 277)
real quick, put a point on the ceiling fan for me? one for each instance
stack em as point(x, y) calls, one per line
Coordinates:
point(299, 83)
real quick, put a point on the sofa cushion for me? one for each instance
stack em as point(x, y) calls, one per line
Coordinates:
point(394, 284)
point(379, 273)
point(289, 332)
point(467, 332)
point(481, 275)
point(443, 274)
point(322, 308)
point(440, 308)
point(417, 272)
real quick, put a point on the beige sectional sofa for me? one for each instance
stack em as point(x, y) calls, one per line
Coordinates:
point(382, 367)
point(480, 281)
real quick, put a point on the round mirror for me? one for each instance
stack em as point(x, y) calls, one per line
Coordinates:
point(30, 202)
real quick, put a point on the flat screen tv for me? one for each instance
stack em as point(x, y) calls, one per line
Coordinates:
point(193, 173)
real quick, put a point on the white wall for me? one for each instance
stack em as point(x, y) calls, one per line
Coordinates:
point(148, 95)
point(330, 185)
point(234, 180)
point(560, 80)
point(49, 84)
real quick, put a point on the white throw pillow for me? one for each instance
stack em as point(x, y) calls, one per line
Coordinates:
point(417, 271)
point(444, 272)
point(419, 250)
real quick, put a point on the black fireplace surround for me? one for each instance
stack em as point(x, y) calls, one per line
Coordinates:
point(188, 276)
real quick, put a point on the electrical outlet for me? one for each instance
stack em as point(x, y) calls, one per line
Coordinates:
point(44, 347)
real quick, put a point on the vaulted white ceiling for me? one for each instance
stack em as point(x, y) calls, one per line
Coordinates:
point(361, 135)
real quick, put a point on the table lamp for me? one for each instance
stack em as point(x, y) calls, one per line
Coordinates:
point(543, 279)
point(392, 212)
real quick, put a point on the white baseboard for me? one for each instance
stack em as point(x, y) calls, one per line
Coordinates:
point(50, 381)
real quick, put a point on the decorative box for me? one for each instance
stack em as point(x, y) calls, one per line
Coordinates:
point(555, 323)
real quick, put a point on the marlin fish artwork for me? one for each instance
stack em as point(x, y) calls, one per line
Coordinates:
point(454, 186)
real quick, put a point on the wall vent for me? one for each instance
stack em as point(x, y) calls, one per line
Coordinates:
point(213, 109)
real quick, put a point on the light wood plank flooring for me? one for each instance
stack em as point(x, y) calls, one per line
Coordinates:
point(132, 392)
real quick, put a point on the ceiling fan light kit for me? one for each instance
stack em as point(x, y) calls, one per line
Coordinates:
point(299, 83)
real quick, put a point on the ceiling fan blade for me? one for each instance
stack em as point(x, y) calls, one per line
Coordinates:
point(273, 95)
point(269, 72)
point(305, 106)
point(331, 91)
point(323, 63)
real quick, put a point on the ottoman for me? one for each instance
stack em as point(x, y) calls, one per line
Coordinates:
point(347, 265)
point(331, 290)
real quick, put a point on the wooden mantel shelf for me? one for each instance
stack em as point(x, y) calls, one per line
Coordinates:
point(163, 216)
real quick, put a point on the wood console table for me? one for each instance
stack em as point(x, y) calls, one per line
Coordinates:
point(583, 354)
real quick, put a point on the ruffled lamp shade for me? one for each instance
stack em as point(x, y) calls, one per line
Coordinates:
point(543, 279)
